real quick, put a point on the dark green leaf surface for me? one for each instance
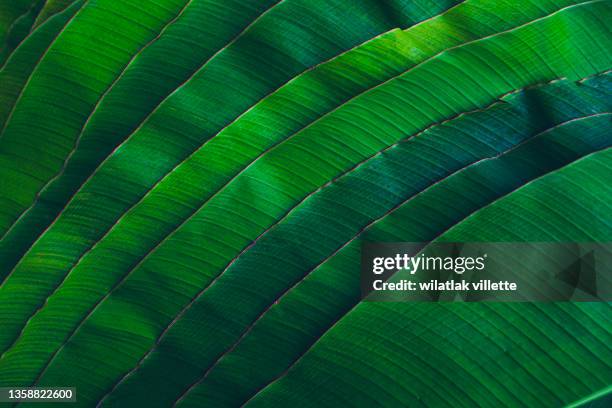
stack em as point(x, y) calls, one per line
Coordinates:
point(502, 174)
point(468, 350)
point(11, 12)
point(50, 8)
point(19, 29)
point(20, 65)
point(186, 185)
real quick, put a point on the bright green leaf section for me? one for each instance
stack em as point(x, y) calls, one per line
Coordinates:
point(280, 47)
point(197, 34)
point(72, 75)
point(52, 262)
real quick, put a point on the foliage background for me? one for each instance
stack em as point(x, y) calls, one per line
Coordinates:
point(185, 186)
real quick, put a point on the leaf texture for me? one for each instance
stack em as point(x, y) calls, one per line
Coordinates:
point(186, 186)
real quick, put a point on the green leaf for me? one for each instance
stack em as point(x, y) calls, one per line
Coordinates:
point(134, 97)
point(186, 186)
point(50, 8)
point(19, 29)
point(20, 65)
point(471, 354)
point(10, 12)
point(598, 399)
point(331, 275)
